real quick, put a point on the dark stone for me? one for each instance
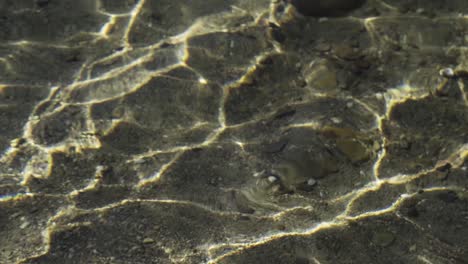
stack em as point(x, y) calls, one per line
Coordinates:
point(444, 168)
point(42, 3)
point(285, 113)
point(72, 58)
point(165, 45)
point(276, 34)
point(279, 9)
point(325, 8)
point(19, 142)
point(276, 147)
point(412, 211)
point(196, 149)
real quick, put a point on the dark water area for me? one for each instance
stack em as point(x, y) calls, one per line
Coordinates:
point(234, 131)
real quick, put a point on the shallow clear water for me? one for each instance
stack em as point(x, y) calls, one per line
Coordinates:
point(233, 132)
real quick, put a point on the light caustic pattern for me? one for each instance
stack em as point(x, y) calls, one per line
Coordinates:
point(231, 132)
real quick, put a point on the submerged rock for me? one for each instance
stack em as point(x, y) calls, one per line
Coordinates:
point(302, 174)
point(324, 8)
point(353, 149)
point(383, 238)
point(321, 75)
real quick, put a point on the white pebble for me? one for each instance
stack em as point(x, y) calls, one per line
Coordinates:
point(258, 173)
point(100, 168)
point(272, 178)
point(24, 225)
point(447, 73)
point(322, 19)
point(336, 120)
point(311, 182)
point(202, 80)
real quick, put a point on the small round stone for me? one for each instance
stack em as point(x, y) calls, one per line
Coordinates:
point(148, 240)
point(323, 47)
point(336, 120)
point(311, 182)
point(346, 52)
point(383, 238)
point(272, 178)
point(447, 73)
point(258, 173)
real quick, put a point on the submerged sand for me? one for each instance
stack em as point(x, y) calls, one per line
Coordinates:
point(161, 131)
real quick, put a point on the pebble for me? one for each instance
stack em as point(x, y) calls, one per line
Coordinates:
point(276, 146)
point(383, 238)
point(24, 225)
point(311, 182)
point(323, 47)
point(148, 240)
point(447, 73)
point(336, 120)
point(323, 19)
point(321, 74)
point(412, 211)
point(272, 178)
point(277, 35)
point(376, 146)
point(346, 52)
point(443, 166)
point(258, 173)
point(353, 149)
point(285, 113)
point(202, 81)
